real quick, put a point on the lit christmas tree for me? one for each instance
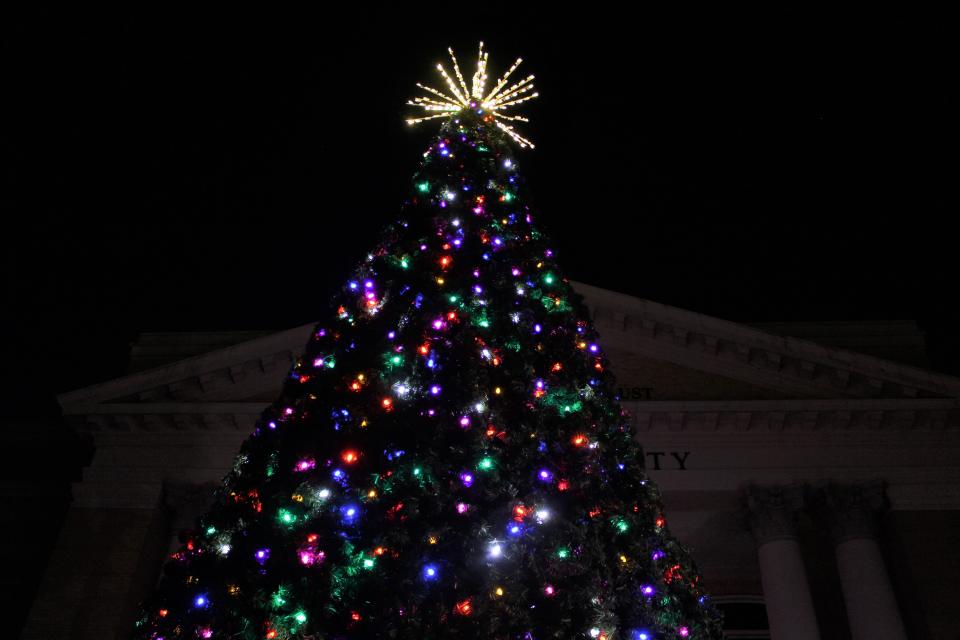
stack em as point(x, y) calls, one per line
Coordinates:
point(448, 459)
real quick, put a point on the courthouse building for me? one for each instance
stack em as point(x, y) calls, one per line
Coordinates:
point(812, 468)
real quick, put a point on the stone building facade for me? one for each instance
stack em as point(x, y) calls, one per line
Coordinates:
point(813, 469)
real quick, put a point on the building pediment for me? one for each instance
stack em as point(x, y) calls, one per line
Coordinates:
point(793, 367)
point(669, 362)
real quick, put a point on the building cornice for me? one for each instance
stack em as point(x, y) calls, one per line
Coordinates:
point(645, 415)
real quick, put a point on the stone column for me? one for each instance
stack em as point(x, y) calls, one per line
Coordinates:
point(772, 512)
point(109, 546)
point(872, 609)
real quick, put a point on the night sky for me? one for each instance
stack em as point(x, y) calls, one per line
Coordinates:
point(220, 170)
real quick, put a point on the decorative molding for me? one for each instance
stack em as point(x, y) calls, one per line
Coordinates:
point(863, 414)
point(876, 414)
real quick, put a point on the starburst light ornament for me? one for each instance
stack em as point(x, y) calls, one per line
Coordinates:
point(492, 107)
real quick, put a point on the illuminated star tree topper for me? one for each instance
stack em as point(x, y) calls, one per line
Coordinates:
point(492, 107)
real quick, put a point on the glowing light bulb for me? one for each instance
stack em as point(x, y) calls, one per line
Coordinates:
point(495, 550)
point(464, 607)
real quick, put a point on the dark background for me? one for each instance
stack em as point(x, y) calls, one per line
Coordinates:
point(213, 169)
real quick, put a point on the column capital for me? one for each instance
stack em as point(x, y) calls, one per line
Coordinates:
point(772, 511)
point(853, 510)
